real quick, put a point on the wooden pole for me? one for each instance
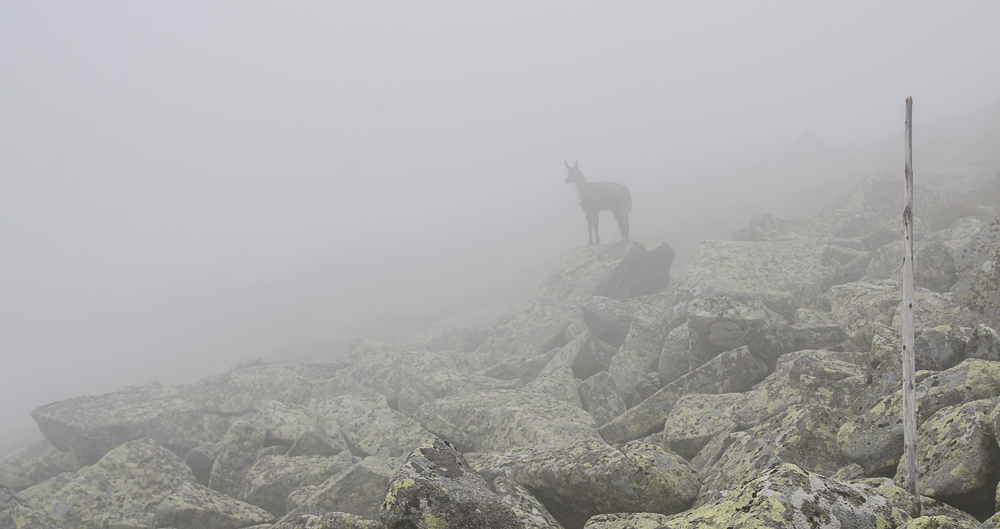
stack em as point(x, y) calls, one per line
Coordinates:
point(909, 398)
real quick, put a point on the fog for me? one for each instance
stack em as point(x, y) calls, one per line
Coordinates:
point(185, 186)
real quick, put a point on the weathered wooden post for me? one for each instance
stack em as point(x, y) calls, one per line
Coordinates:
point(909, 399)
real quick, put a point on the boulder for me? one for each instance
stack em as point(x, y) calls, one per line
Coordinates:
point(722, 324)
point(195, 507)
point(583, 355)
point(359, 490)
point(369, 426)
point(123, 489)
point(958, 457)
point(583, 478)
point(623, 270)
point(730, 372)
point(695, 419)
point(237, 453)
point(464, 332)
point(626, 520)
point(978, 285)
point(271, 479)
point(638, 355)
point(859, 305)
point(559, 384)
point(437, 489)
point(600, 399)
point(245, 390)
point(500, 420)
point(609, 319)
point(330, 520)
point(283, 423)
point(675, 356)
point(530, 511)
point(787, 496)
point(91, 425)
point(14, 514)
point(983, 343)
point(35, 463)
point(784, 275)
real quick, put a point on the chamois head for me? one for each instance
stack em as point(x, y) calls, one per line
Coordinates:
point(575, 174)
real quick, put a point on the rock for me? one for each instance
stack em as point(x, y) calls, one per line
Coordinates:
point(939, 522)
point(638, 355)
point(283, 423)
point(464, 332)
point(500, 420)
point(370, 427)
point(200, 460)
point(123, 489)
point(958, 457)
point(584, 355)
point(856, 306)
point(530, 511)
point(722, 324)
point(437, 489)
point(272, 478)
point(238, 451)
point(984, 344)
point(313, 442)
point(35, 463)
point(90, 426)
point(559, 384)
point(626, 520)
point(805, 436)
point(675, 356)
point(195, 506)
point(695, 419)
point(359, 490)
point(330, 520)
point(978, 286)
point(609, 319)
point(787, 496)
point(583, 478)
point(246, 389)
point(730, 372)
point(874, 439)
point(600, 399)
point(623, 270)
point(784, 275)
point(14, 514)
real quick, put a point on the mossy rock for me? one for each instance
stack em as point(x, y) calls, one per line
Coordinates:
point(272, 478)
point(369, 426)
point(437, 489)
point(501, 420)
point(958, 457)
point(35, 463)
point(787, 496)
point(195, 506)
point(730, 372)
point(123, 489)
point(581, 479)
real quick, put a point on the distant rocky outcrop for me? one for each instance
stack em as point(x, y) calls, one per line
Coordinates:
point(760, 387)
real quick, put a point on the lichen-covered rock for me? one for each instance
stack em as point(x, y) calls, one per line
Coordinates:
point(369, 426)
point(940, 522)
point(195, 507)
point(802, 435)
point(559, 384)
point(527, 508)
point(500, 420)
point(859, 305)
point(35, 463)
point(675, 356)
point(623, 270)
point(437, 489)
point(958, 457)
point(722, 324)
point(237, 452)
point(730, 372)
point(978, 285)
point(272, 478)
point(464, 332)
point(638, 355)
point(91, 425)
point(874, 439)
point(330, 520)
point(359, 490)
point(695, 419)
point(784, 275)
point(787, 496)
point(583, 478)
point(933, 265)
point(609, 319)
point(584, 355)
point(983, 343)
point(283, 423)
point(626, 520)
point(123, 489)
point(14, 514)
point(600, 399)
point(246, 389)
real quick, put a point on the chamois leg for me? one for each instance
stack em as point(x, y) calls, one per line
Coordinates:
point(597, 222)
point(622, 218)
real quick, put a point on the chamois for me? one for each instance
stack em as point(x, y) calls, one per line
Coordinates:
point(598, 196)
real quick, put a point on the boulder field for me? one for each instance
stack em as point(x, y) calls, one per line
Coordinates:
point(760, 387)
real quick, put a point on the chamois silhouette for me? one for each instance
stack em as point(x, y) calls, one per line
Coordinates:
point(598, 196)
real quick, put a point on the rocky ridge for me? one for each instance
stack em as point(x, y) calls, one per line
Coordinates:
point(761, 388)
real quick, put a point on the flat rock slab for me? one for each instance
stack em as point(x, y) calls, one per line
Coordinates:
point(581, 479)
point(370, 427)
point(195, 507)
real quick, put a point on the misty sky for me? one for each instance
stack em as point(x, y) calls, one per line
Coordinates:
point(186, 185)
